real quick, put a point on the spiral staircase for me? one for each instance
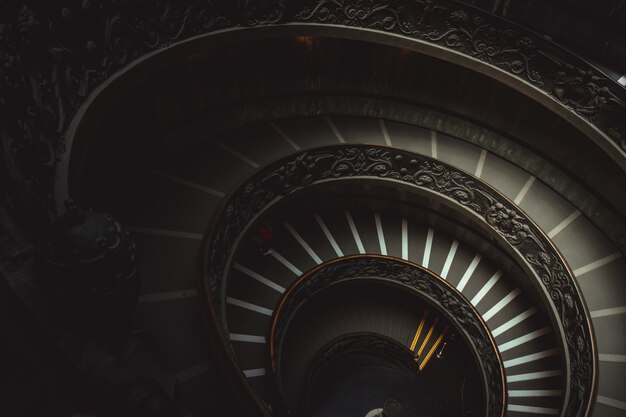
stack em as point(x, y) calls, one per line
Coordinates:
point(337, 214)
point(322, 226)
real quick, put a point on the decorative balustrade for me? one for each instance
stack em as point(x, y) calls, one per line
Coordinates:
point(470, 196)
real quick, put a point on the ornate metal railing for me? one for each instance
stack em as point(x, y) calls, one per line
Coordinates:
point(390, 350)
point(347, 344)
point(468, 195)
point(408, 277)
point(55, 54)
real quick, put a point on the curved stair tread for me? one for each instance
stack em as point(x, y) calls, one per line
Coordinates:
point(197, 182)
point(300, 243)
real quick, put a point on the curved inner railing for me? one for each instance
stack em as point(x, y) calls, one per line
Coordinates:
point(409, 278)
point(374, 347)
point(490, 209)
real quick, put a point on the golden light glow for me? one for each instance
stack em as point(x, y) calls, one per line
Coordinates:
point(430, 332)
point(419, 330)
point(309, 42)
point(433, 348)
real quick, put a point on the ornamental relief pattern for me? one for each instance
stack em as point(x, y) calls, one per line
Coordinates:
point(54, 55)
point(292, 174)
point(361, 342)
point(436, 22)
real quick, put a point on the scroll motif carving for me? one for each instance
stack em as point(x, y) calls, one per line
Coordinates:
point(498, 213)
point(437, 22)
point(569, 80)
